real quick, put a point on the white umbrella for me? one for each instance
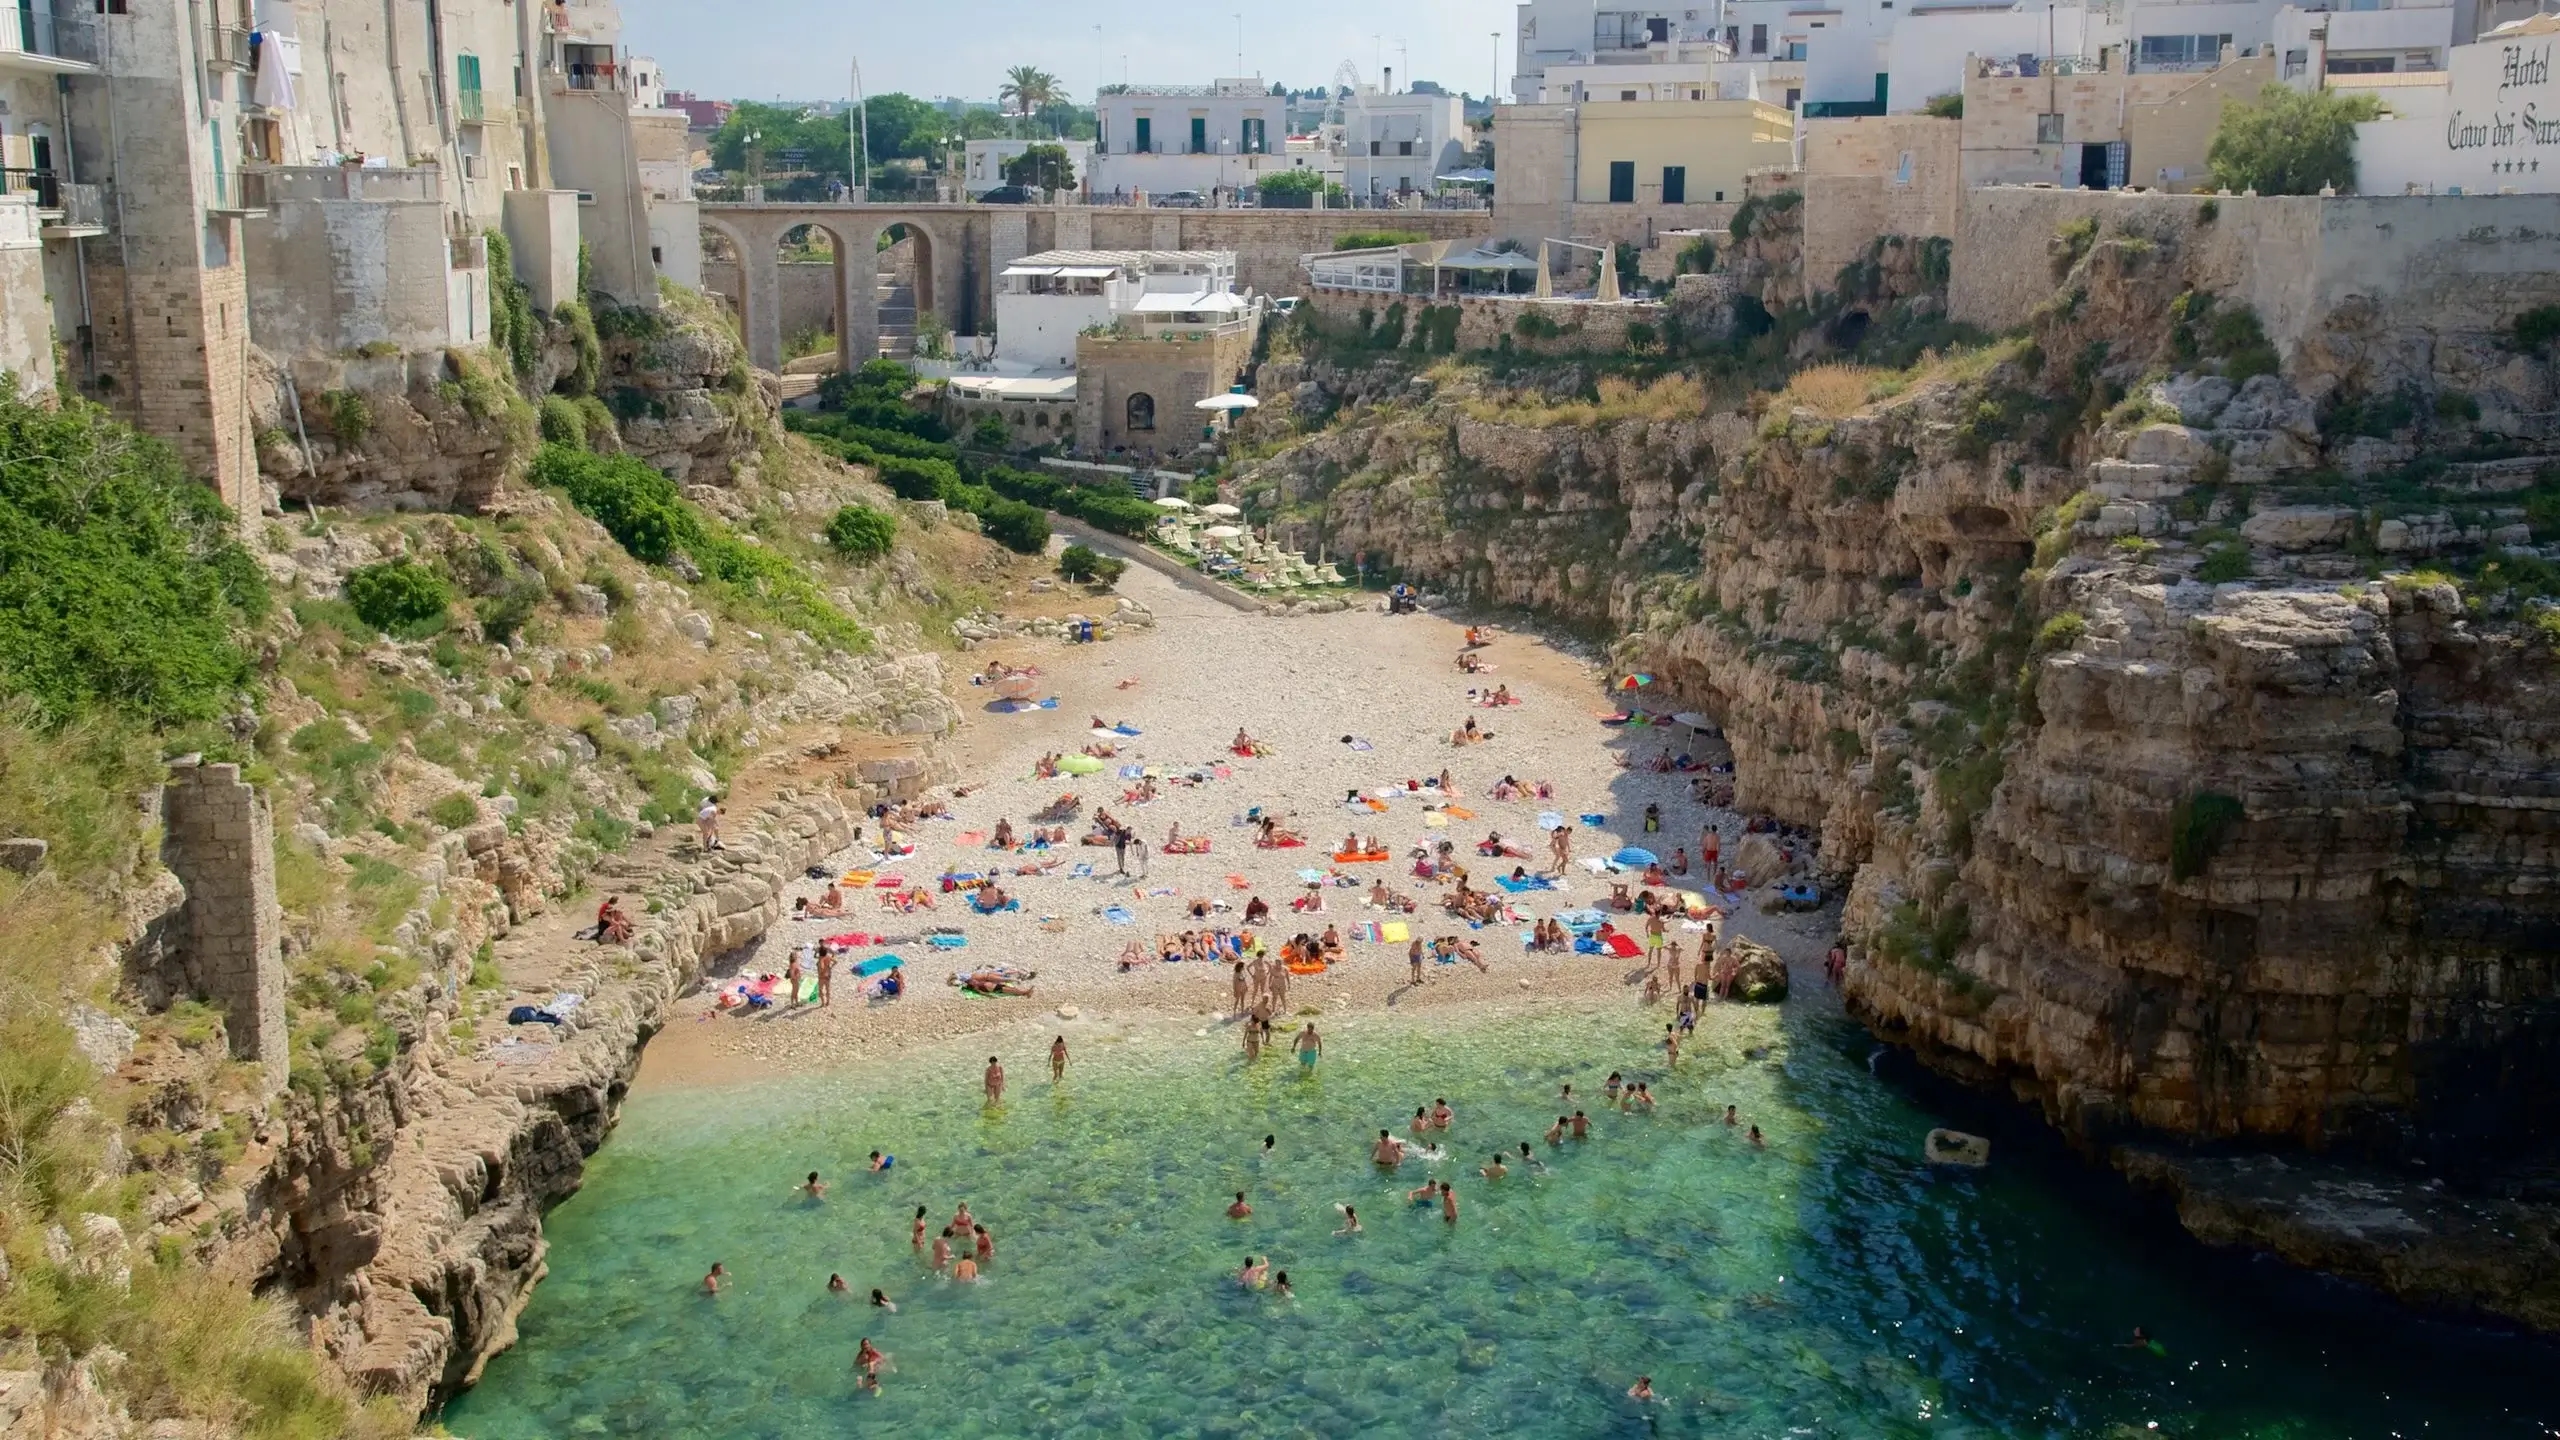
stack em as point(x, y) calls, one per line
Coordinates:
point(1221, 509)
point(1174, 502)
point(1227, 402)
point(1693, 720)
point(1222, 532)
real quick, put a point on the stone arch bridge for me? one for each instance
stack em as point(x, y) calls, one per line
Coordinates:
point(960, 249)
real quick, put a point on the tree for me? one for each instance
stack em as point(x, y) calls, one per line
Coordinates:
point(1046, 166)
point(1291, 190)
point(904, 127)
point(1949, 106)
point(1027, 88)
point(860, 533)
point(2289, 142)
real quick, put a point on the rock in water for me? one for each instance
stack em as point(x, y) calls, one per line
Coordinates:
point(1954, 1147)
point(1758, 975)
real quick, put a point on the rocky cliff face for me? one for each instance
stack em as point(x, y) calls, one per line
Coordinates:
point(2173, 802)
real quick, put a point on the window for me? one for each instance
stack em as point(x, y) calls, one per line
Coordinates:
point(1255, 141)
point(110, 7)
point(1622, 182)
point(1146, 142)
point(1404, 147)
point(2361, 65)
point(1759, 39)
point(1377, 148)
point(2049, 129)
point(1199, 134)
point(1795, 49)
point(1675, 184)
point(1795, 96)
point(1733, 38)
point(657, 255)
point(467, 88)
point(1719, 197)
point(2164, 51)
point(1626, 94)
point(1142, 412)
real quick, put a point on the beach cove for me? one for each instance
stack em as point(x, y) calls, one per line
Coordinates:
point(1825, 1283)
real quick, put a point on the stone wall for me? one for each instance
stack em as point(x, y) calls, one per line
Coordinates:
point(1485, 322)
point(1856, 189)
point(334, 275)
point(220, 842)
point(2434, 271)
point(808, 293)
point(1175, 373)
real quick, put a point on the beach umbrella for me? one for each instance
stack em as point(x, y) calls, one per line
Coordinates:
point(1221, 509)
point(1079, 764)
point(1018, 687)
point(1173, 502)
point(1636, 855)
point(1632, 682)
point(1693, 720)
point(1227, 402)
point(1222, 532)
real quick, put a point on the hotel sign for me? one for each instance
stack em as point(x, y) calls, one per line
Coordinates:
point(2505, 117)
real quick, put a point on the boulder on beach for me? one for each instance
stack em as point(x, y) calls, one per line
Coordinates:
point(1752, 972)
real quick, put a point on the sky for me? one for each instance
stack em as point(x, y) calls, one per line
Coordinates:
point(803, 49)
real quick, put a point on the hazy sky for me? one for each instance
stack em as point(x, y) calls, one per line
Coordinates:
point(800, 49)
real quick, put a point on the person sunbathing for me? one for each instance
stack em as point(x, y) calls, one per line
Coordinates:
point(1351, 843)
point(1502, 696)
point(993, 985)
point(1449, 782)
point(1004, 835)
point(1310, 902)
point(1098, 750)
point(1133, 955)
point(1257, 911)
point(1653, 874)
point(1470, 663)
point(1506, 788)
point(830, 905)
point(1680, 861)
point(1619, 899)
point(1332, 943)
point(1173, 838)
point(613, 925)
point(1375, 846)
point(1475, 637)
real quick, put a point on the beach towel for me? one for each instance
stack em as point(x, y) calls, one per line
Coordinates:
point(1435, 821)
point(1459, 812)
point(1359, 857)
point(1550, 820)
point(858, 879)
point(1585, 945)
point(877, 964)
point(970, 839)
point(1238, 882)
point(1595, 820)
point(889, 882)
point(854, 940)
point(1578, 919)
point(946, 942)
point(1223, 772)
point(1133, 772)
point(1306, 967)
point(1518, 887)
point(1118, 915)
point(1366, 930)
point(808, 989)
point(1395, 932)
point(1623, 945)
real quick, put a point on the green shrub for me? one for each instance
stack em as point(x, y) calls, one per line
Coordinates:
point(2072, 241)
point(582, 333)
point(991, 433)
point(601, 432)
point(454, 811)
point(1085, 564)
point(513, 331)
point(399, 597)
point(1949, 106)
point(2223, 564)
point(1533, 326)
point(1697, 257)
point(919, 479)
point(2535, 329)
point(2288, 141)
point(860, 533)
point(561, 422)
point(2061, 632)
point(1377, 239)
point(1015, 525)
point(348, 415)
point(2198, 826)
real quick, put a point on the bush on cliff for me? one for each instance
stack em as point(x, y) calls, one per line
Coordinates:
point(2288, 141)
point(121, 586)
point(860, 533)
point(399, 597)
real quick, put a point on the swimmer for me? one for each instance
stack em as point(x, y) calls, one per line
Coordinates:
point(1421, 1122)
point(965, 1270)
point(1581, 1126)
point(1642, 1389)
point(880, 1162)
point(1441, 1114)
point(1350, 1219)
point(986, 1246)
point(718, 1277)
point(1756, 1137)
point(1268, 1141)
point(1555, 1132)
point(836, 1285)
point(942, 1250)
point(869, 1359)
point(1528, 1159)
point(1449, 1204)
point(1612, 1088)
point(962, 1222)
point(1565, 1096)
point(1389, 1151)
point(1495, 1169)
point(1644, 1096)
point(1423, 1196)
point(1252, 1275)
point(880, 1301)
point(813, 1187)
point(1239, 1210)
point(915, 1237)
point(1729, 1117)
point(1280, 1286)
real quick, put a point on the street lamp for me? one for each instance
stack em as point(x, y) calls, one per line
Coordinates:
point(858, 150)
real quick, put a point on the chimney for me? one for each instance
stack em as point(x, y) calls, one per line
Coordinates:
point(1390, 87)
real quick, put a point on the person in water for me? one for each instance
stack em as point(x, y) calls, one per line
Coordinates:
point(880, 1162)
point(813, 1187)
point(880, 1301)
point(1239, 1210)
point(964, 1270)
point(1430, 1190)
point(1310, 1046)
point(915, 1237)
point(1581, 1126)
point(995, 1081)
point(1495, 1169)
point(1253, 1274)
point(1448, 1204)
point(1058, 1059)
point(1350, 1219)
point(1555, 1132)
point(1729, 1117)
point(942, 1250)
point(1268, 1141)
point(1441, 1115)
point(1642, 1389)
point(718, 1277)
point(1388, 1152)
point(1756, 1137)
point(836, 1285)
point(1280, 1286)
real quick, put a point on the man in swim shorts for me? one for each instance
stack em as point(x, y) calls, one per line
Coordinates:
point(1389, 1151)
point(1310, 1046)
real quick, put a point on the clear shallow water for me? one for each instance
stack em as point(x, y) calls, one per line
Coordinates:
point(1827, 1286)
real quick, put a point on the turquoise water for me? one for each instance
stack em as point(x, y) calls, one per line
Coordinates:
point(1826, 1286)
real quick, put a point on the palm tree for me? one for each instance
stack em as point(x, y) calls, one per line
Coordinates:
point(1028, 87)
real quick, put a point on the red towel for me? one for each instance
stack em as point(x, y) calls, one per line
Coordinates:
point(1624, 946)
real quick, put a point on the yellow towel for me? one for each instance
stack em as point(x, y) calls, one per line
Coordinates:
point(1435, 821)
point(859, 878)
point(1395, 932)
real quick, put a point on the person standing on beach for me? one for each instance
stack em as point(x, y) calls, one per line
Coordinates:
point(1310, 1047)
point(1560, 847)
point(1138, 847)
point(826, 977)
point(995, 1081)
point(1058, 1059)
point(706, 823)
point(1413, 958)
point(1119, 849)
point(1241, 988)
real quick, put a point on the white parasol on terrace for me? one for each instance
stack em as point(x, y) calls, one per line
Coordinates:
point(1222, 532)
point(1227, 402)
point(1172, 502)
point(1221, 509)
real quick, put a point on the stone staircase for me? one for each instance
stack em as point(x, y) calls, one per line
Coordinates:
point(894, 296)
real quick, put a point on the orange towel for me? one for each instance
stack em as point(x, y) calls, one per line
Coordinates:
point(1358, 857)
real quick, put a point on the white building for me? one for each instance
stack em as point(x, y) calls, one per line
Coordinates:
point(2465, 130)
point(1044, 301)
point(1393, 143)
point(985, 160)
point(1163, 138)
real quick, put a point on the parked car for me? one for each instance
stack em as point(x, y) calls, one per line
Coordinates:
point(1010, 195)
point(1179, 200)
point(1286, 304)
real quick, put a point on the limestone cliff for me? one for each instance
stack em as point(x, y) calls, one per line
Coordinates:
point(2169, 799)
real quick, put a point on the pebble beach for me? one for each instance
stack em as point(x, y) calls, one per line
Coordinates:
point(1355, 701)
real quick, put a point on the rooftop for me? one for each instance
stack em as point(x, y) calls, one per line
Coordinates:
point(1124, 259)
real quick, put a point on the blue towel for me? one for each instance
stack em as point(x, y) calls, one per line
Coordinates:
point(1119, 915)
point(1595, 819)
point(1586, 946)
point(947, 942)
point(1534, 882)
point(1050, 704)
point(1125, 728)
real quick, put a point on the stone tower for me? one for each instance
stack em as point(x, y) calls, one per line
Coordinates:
point(220, 843)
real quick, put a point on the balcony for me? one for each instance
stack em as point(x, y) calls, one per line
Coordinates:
point(469, 107)
point(39, 41)
point(237, 194)
point(67, 211)
point(275, 184)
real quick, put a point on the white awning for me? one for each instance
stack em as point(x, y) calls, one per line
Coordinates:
point(1188, 304)
point(1086, 272)
point(1015, 387)
point(1031, 270)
